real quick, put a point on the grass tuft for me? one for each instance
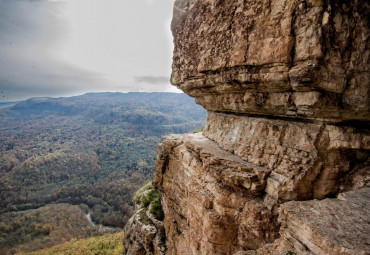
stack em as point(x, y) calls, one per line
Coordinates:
point(197, 130)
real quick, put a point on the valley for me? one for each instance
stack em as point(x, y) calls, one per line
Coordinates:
point(92, 151)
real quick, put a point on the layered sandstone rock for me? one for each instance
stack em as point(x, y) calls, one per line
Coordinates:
point(331, 226)
point(144, 232)
point(286, 85)
point(217, 202)
point(292, 58)
point(307, 160)
point(212, 198)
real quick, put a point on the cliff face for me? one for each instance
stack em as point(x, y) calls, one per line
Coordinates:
point(144, 232)
point(286, 86)
point(288, 58)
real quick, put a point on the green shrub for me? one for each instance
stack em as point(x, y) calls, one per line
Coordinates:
point(145, 200)
point(138, 195)
point(156, 209)
point(150, 196)
point(144, 218)
point(197, 130)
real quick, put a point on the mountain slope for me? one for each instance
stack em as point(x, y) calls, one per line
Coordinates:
point(94, 150)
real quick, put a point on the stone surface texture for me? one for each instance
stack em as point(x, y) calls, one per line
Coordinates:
point(144, 233)
point(212, 198)
point(330, 226)
point(291, 58)
point(286, 84)
point(306, 160)
point(217, 202)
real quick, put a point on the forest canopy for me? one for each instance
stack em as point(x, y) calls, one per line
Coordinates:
point(93, 150)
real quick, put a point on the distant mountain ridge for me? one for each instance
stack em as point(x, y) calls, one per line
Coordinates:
point(154, 108)
point(93, 150)
point(8, 104)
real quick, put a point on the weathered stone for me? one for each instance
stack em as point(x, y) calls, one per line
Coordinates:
point(211, 199)
point(286, 84)
point(306, 159)
point(239, 56)
point(144, 234)
point(331, 226)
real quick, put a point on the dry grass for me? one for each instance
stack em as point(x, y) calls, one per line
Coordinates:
point(108, 244)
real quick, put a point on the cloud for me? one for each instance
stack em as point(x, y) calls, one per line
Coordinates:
point(30, 33)
point(152, 79)
point(65, 47)
point(153, 83)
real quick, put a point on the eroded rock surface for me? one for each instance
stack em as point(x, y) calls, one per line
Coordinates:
point(286, 84)
point(144, 232)
point(212, 198)
point(307, 160)
point(293, 58)
point(331, 226)
point(217, 202)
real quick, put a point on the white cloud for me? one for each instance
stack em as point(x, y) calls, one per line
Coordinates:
point(118, 38)
point(70, 46)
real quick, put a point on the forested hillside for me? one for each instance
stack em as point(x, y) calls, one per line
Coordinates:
point(93, 150)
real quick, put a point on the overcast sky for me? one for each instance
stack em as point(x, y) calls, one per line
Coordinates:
point(69, 47)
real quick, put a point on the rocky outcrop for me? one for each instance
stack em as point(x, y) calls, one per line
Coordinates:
point(331, 226)
point(286, 85)
point(144, 232)
point(211, 198)
point(290, 58)
point(217, 202)
point(306, 160)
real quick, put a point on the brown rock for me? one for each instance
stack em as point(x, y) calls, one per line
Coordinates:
point(331, 226)
point(286, 84)
point(210, 199)
point(306, 159)
point(241, 56)
point(144, 233)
